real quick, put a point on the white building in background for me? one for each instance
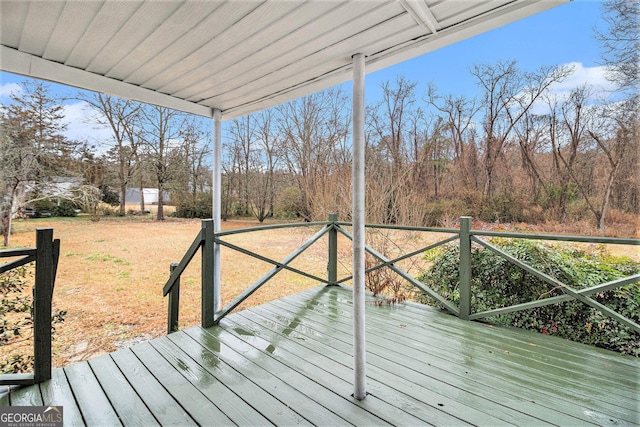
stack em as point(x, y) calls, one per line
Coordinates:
point(150, 196)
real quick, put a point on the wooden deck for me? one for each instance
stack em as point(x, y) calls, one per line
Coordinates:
point(289, 362)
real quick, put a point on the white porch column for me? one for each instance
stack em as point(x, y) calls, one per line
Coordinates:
point(359, 353)
point(217, 202)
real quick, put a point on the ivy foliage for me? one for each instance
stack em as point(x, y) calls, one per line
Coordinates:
point(16, 318)
point(498, 283)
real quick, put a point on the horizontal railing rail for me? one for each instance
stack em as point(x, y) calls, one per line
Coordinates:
point(570, 293)
point(26, 256)
point(465, 236)
point(278, 266)
point(204, 242)
point(46, 255)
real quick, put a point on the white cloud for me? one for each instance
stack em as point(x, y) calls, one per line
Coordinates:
point(9, 88)
point(595, 77)
point(82, 126)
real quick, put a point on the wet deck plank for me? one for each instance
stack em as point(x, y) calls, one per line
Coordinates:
point(289, 362)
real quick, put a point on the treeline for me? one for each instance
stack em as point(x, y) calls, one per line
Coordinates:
point(150, 146)
point(516, 152)
point(520, 150)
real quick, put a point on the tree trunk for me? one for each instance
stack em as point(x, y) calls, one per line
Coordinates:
point(6, 227)
point(141, 197)
point(123, 199)
point(160, 216)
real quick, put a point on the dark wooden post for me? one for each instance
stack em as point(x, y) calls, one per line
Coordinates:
point(174, 303)
point(42, 294)
point(465, 267)
point(332, 266)
point(208, 276)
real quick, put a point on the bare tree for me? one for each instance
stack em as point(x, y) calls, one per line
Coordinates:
point(33, 149)
point(507, 95)
point(391, 123)
point(195, 148)
point(312, 128)
point(567, 132)
point(243, 134)
point(18, 166)
point(621, 43)
point(458, 120)
point(531, 136)
point(160, 131)
point(122, 117)
point(267, 157)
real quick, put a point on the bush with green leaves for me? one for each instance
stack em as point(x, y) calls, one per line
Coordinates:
point(16, 318)
point(498, 283)
point(199, 208)
point(55, 207)
point(65, 208)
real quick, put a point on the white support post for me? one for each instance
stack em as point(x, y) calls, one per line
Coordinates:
point(358, 183)
point(217, 203)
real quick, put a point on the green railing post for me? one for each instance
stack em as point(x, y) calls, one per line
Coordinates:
point(332, 267)
point(208, 277)
point(174, 303)
point(42, 295)
point(465, 267)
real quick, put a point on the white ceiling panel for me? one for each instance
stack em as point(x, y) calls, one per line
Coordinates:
point(70, 27)
point(39, 22)
point(238, 56)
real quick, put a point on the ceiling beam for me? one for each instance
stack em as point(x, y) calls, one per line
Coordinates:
point(14, 61)
point(419, 10)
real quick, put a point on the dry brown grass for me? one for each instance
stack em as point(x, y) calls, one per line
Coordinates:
point(112, 271)
point(111, 274)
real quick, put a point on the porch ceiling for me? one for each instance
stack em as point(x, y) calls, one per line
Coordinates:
point(238, 56)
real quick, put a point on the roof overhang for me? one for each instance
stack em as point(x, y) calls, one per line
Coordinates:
point(238, 56)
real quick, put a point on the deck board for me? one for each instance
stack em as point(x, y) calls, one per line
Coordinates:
point(432, 405)
point(123, 397)
point(290, 362)
point(385, 355)
point(187, 396)
point(57, 392)
point(92, 402)
point(159, 402)
point(27, 396)
point(602, 400)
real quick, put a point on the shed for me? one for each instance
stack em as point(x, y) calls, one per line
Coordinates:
point(150, 195)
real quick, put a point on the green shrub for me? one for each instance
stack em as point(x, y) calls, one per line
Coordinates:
point(53, 207)
point(498, 283)
point(65, 208)
point(16, 318)
point(202, 207)
point(109, 196)
point(289, 203)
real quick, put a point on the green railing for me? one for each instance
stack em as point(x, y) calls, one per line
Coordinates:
point(45, 255)
point(465, 235)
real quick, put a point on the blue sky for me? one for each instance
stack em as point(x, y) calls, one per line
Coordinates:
point(562, 35)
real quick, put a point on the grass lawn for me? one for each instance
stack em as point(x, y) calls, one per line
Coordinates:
point(112, 271)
